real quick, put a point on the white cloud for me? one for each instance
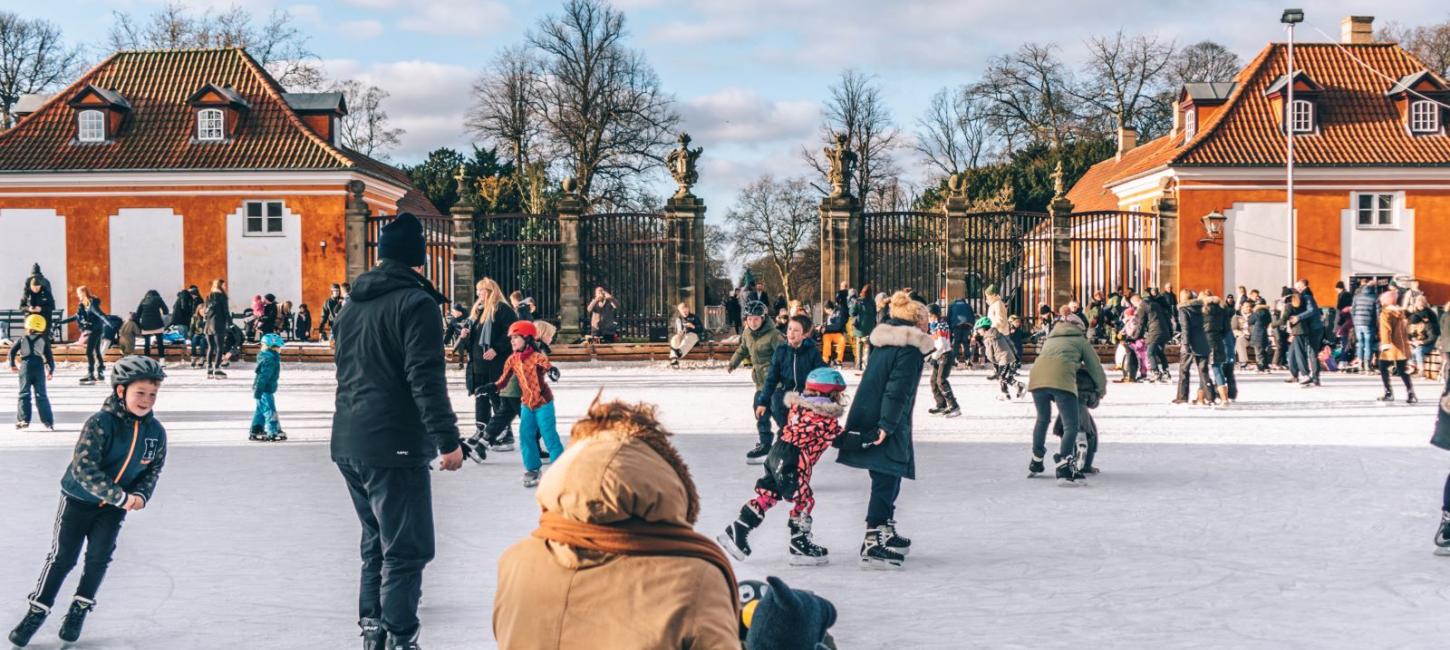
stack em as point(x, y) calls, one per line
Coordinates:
point(361, 29)
point(742, 116)
point(427, 99)
point(698, 32)
point(457, 17)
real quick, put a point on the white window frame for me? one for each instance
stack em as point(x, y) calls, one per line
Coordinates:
point(88, 130)
point(1424, 116)
point(211, 125)
point(1382, 217)
point(1190, 122)
point(263, 227)
point(1305, 125)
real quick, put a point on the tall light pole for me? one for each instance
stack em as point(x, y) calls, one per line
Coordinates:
point(1290, 18)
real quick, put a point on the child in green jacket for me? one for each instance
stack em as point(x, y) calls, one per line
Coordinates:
point(265, 426)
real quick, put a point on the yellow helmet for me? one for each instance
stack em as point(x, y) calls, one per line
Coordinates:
point(35, 323)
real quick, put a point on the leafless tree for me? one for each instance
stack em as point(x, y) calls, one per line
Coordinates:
point(275, 42)
point(505, 111)
point(1030, 96)
point(775, 220)
point(33, 59)
point(1429, 43)
point(857, 108)
point(1204, 61)
point(1122, 75)
point(365, 128)
point(600, 102)
point(953, 135)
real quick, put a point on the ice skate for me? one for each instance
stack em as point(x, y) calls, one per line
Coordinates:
point(21, 425)
point(87, 380)
point(1387, 398)
point(1442, 536)
point(895, 541)
point(937, 410)
point(1411, 399)
point(373, 634)
point(404, 643)
point(531, 478)
point(757, 454)
point(504, 442)
point(217, 374)
point(1035, 467)
point(280, 436)
point(875, 555)
point(1067, 474)
point(257, 434)
point(735, 540)
point(75, 619)
point(34, 618)
point(803, 550)
point(1021, 388)
point(474, 449)
point(952, 411)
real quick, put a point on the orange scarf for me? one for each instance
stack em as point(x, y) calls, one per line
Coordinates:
point(635, 537)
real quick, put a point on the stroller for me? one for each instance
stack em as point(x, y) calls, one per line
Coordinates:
point(1087, 428)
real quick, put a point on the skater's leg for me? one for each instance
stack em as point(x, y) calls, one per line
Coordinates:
point(259, 415)
point(947, 361)
point(100, 546)
point(1185, 366)
point(549, 431)
point(504, 410)
point(42, 397)
point(1231, 382)
point(72, 519)
point(22, 407)
point(805, 497)
point(882, 506)
point(1445, 372)
point(938, 398)
point(778, 411)
point(1445, 500)
point(762, 424)
point(1385, 375)
point(269, 414)
point(1399, 369)
point(1205, 378)
point(1042, 401)
point(370, 590)
point(529, 439)
point(403, 502)
point(1067, 407)
point(482, 410)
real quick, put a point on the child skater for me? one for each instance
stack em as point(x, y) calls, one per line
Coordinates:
point(32, 359)
point(265, 426)
point(530, 368)
point(942, 359)
point(1003, 354)
point(117, 462)
point(812, 424)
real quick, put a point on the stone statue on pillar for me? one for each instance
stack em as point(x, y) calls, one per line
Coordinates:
point(842, 166)
point(1058, 190)
point(681, 162)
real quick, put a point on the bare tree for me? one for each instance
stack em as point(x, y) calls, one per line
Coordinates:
point(953, 135)
point(776, 220)
point(275, 42)
point(1122, 75)
point(505, 111)
point(1031, 98)
point(1429, 43)
point(857, 108)
point(33, 59)
point(365, 129)
point(601, 102)
point(1203, 61)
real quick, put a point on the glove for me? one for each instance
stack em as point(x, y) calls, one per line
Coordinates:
point(553, 374)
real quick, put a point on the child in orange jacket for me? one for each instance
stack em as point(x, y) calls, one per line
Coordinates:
point(531, 368)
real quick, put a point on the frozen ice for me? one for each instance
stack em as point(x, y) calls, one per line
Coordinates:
point(1294, 518)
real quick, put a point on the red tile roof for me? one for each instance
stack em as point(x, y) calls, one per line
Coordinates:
point(159, 132)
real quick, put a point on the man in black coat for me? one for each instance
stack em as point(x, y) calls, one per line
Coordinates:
point(1157, 331)
point(1313, 324)
point(1194, 351)
point(392, 418)
point(37, 299)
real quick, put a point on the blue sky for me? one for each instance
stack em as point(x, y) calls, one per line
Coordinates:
point(749, 74)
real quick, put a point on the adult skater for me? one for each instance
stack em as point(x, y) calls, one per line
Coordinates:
point(36, 298)
point(218, 328)
point(1194, 350)
point(1217, 327)
point(330, 307)
point(1313, 323)
point(758, 344)
point(1394, 348)
point(1441, 439)
point(392, 417)
point(1053, 380)
point(92, 323)
point(486, 346)
point(151, 314)
point(1157, 331)
point(1258, 323)
point(880, 416)
point(1365, 313)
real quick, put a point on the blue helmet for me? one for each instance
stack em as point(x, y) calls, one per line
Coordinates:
point(272, 340)
point(825, 380)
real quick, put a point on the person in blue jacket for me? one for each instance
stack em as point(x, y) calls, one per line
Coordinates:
point(117, 462)
point(789, 367)
point(264, 389)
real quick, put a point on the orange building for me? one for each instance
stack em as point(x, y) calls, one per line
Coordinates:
point(156, 170)
point(1371, 170)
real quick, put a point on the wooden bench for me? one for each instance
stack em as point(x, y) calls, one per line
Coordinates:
point(12, 323)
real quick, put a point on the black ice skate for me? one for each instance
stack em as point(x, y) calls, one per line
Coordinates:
point(756, 456)
point(409, 642)
point(1387, 398)
point(34, 618)
point(88, 380)
point(280, 436)
point(937, 410)
point(735, 540)
point(216, 374)
point(894, 541)
point(75, 619)
point(1035, 467)
point(875, 555)
point(1442, 536)
point(373, 634)
point(952, 411)
point(1411, 399)
point(1067, 472)
point(257, 435)
point(531, 478)
point(474, 449)
point(505, 441)
point(803, 550)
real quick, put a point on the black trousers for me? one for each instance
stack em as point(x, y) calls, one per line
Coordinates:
point(1158, 357)
point(1188, 362)
point(395, 507)
point(483, 402)
point(216, 350)
point(941, 387)
point(1261, 356)
point(882, 506)
point(1399, 369)
point(1307, 349)
point(160, 345)
point(1230, 381)
point(95, 361)
point(1067, 408)
point(76, 524)
point(505, 409)
point(763, 423)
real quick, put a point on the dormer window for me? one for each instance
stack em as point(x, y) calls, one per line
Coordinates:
point(91, 126)
point(210, 125)
point(1302, 116)
point(1190, 122)
point(1424, 116)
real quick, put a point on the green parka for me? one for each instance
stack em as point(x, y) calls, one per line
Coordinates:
point(759, 345)
point(1062, 354)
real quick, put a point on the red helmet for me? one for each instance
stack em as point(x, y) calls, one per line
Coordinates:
point(523, 328)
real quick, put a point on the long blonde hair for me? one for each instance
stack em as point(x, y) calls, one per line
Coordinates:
point(216, 286)
point(86, 295)
point(484, 310)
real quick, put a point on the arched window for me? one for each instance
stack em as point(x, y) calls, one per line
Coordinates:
point(1424, 117)
point(1302, 117)
point(1190, 122)
point(91, 126)
point(210, 124)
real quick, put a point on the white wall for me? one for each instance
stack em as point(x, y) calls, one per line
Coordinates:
point(260, 265)
point(1377, 251)
point(1255, 247)
point(146, 253)
point(28, 237)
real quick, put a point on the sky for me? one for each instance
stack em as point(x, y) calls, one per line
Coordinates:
point(748, 75)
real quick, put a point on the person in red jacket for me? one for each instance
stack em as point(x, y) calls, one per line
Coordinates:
point(531, 368)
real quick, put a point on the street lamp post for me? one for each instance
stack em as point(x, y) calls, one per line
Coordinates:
point(1290, 18)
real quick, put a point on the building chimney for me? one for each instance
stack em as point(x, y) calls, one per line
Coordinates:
point(1127, 139)
point(1356, 29)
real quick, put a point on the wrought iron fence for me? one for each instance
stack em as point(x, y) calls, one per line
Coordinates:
point(1112, 249)
point(438, 237)
point(904, 249)
point(630, 255)
point(521, 252)
point(1012, 251)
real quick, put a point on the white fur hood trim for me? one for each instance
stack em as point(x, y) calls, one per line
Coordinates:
point(829, 410)
point(890, 334)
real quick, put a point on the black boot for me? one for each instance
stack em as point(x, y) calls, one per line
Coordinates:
point(894, 541)
point(504, 442)
point(875, 554)
point(1067, 474)
point(735, 539)
point(756, 456)
point(803, 550)
point(1411, 399)
point(1442, 540)
point(34, 617)
point(1387, 397)
point(1035, 466)
point(373, 634)
point(257, 433)
point(404, 642)
point(75, 619)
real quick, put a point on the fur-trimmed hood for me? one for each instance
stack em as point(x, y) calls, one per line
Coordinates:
point(895, 333)
point(817, 405)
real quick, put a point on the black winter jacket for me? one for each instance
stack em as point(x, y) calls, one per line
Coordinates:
point(885, 399)
point(392, 407)
point(1216, 323)
point(41, 299)
point(182, 308)
point(152, 311)
point(788, 369)
point(218, 313)
point(1259, 326)
point(1157, 327)
point(1190, 322)
point(483, 374)
point(118, 454)
point(1366, 308)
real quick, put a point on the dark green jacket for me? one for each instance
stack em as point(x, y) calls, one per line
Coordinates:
point(1063, 353)
point(759, 346)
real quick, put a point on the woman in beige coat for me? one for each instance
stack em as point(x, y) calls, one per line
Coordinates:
point(615, 562)
point(1394, 346)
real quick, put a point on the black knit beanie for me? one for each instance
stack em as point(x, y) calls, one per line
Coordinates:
point(401, 240)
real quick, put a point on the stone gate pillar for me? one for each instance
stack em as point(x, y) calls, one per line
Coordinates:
point(841, 225)
point(1061, 283)
point(1167, 208)
point(571, 207)
point(686, 218)
point(463, 214)
point(355, 230)
point(956, 208)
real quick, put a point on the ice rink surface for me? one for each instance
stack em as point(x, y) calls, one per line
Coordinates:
point(1294, 519)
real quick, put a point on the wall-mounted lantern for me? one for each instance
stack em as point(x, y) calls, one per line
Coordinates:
point(1213, 227)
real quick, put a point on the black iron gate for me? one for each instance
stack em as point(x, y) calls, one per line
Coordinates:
point(904, 249)
point(1113, 249)
point(628, 254)
point(521, 252)
point(438, 237)
point(1011, 251)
